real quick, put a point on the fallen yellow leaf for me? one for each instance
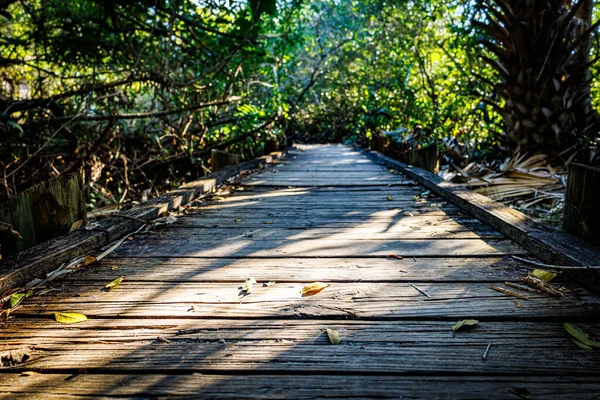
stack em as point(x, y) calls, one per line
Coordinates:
point(544, 275)
point(247, 285)
point(464, 323)
point(115, 283)
point(76, 225)
point(313, 288)
point(69, 318)
point(333, 336)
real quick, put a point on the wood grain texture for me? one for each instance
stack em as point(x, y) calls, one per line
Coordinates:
point(317, 248)
point(284, 300)
point(303, 269)
point(301, 347)
point(179, 325)
point(282, 386)
point(37, 261)
point(550, 246)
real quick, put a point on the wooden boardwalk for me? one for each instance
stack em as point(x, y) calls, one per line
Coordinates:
point(179, 325)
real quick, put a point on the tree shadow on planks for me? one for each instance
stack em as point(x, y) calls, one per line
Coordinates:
point(369, 288)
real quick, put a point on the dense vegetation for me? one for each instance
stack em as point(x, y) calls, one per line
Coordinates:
point(135, 94)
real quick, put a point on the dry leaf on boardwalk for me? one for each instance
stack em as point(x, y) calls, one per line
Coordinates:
point(464, 323)
point(247, 285)
point(544, 275)
point(113, 285)
point(69, 318)
point(333, 336)
point(76, 225)
point(580, 338)
point(390, 198)
point(17, 298)
point(394, 256)
point(313, 288)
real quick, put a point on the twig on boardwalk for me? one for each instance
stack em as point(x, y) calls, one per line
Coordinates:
point(522, 287)
point(559, 267)
point(419, 290)
point(487, 350)
point(544, 286)
point(508, 292)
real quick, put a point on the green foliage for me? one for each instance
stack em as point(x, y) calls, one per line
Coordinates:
point(408, 65)
point(135, 94)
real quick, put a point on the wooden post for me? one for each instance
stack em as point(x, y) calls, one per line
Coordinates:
point(425, 158)
point(43, 212)
point(378, 143)
point(271, 146)
point(582, 203)
point(220, 159)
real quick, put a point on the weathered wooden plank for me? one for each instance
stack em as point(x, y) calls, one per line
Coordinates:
point(396, 207)
point(284, 300)
point(275, 174)
point(22, 332)
point(395, 213)
point(303, 269)
point(39, 260)
point(43, 212)
point(288, 356)
point(357, 386)
point(317, 248)
point(294, 167)
point(396, 232)
point(307, 222)
point(379, 199)
point(297, 346)
point(548, 245)
point(330, 189)
point(339, 183)
point(302, 195)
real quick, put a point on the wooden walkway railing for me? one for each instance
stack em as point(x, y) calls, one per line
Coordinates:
point(402, 268)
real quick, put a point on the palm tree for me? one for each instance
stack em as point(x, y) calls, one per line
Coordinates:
point(540, 51)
